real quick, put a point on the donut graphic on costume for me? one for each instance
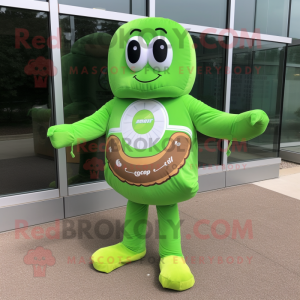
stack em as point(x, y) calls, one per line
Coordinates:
point(143, 124)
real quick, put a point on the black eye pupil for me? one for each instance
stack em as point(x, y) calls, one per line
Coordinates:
point(160, 50)
point(134, 51)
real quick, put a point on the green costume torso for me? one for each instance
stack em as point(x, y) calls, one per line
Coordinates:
point(161, 131)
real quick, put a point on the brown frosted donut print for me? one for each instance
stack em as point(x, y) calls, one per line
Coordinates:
point(147, 171)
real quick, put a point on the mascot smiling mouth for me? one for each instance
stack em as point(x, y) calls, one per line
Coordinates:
point(146, 81)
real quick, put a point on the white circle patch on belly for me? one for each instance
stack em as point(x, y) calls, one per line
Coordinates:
point(143, 123)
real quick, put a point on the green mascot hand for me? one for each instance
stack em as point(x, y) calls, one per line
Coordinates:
point(61, 135)
point(82, 131)
point(250, 124)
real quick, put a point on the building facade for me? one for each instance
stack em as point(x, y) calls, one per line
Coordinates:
point(53, 57)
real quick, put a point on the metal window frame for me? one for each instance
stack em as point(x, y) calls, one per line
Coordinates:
point(238, 166)
point(261, 36)
point(58, 97)
point(151, 8)
point(230, 12)
point(26, 4)
point(54, 9)
point(23, 198)
point(89, 187)
point(95, 13)
point(252, 164)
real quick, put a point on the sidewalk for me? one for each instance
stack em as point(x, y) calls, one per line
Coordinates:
point(287, 184)
point(261, 262)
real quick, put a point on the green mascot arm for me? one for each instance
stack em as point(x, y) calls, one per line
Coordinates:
point(84, 130)
point(217, 124)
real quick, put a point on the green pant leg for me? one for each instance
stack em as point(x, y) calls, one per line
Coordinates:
point(169, 230)
point(135, 226)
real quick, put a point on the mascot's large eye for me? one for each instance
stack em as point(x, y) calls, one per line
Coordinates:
point(160, 53)
point(136, 53)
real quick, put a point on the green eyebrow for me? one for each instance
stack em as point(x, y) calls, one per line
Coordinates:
point(161, 29)
point(135, 30)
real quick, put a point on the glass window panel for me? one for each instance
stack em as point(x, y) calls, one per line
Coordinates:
point(209, 88)
point(138, 7)
point(257, 84)
point(84, 49)
point(27, 159)
point(295, 20)
point(206, 13)
point(290, 130)
point(272, 16)
point(244, 15)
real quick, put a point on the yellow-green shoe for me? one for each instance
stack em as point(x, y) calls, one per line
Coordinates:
point(112, 257)
point(175, 274)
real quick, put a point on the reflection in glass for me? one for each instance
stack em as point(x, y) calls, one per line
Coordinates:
point(137, 7)
point(244, 15)
point(84, 48)
point(206, 13)
point(26, 155)
point(209, 88)
point(257, 72)
point(290, 130)
point(269, 17)
point(295, 20)
point(272, 16)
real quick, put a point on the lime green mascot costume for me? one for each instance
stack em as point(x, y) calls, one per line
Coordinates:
point(151, 147)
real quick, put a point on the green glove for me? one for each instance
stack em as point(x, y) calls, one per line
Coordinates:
point(82, 131)
point(249, 125)
point(61, 135)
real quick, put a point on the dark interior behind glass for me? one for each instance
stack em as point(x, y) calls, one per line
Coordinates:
point(27, 160)
point(209, 88)
point(84, 50)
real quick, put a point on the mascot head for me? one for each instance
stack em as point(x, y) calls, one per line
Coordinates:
point(151, 58)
